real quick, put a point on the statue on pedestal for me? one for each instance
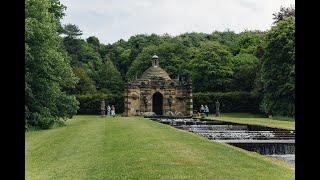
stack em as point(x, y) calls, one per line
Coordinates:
point(217, 108)
point(170, 101)
point(103, 108)
point(145, 102)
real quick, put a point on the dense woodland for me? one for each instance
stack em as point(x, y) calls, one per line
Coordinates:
point(251, 71)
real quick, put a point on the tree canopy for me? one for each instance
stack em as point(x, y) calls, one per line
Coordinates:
point(71, 31)
point(47, 68)
point(211, 67)
point(284, 13)
point(278, 69)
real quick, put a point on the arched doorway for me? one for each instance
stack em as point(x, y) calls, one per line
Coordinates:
point(157, 103)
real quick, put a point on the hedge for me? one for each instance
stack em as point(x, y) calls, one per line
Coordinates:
point(229, 101)
point(90, 103)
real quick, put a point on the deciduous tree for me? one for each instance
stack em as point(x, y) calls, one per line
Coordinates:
point(278, 69)
point(47, 67)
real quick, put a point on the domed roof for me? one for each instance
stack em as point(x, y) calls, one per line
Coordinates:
point(155, 70)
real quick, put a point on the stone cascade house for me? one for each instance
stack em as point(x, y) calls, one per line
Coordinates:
point(156, 92)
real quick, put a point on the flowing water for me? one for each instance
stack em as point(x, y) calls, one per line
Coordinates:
point(290, 158)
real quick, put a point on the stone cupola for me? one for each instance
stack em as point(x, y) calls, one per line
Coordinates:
point(155, 70)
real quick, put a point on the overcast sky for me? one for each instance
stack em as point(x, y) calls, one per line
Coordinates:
point(112, 20)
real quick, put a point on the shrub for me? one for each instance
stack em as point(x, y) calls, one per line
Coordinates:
point(90, 103)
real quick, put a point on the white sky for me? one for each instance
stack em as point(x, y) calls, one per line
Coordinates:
point(112, 20)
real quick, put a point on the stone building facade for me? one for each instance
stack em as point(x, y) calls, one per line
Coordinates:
point(156, 92)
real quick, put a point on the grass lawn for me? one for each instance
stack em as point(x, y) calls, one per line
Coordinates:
point(91, 147)
point(247, 118)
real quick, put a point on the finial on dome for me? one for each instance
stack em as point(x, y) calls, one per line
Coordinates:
point(155, 61)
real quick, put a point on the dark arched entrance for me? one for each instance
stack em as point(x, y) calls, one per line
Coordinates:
point(157, 103)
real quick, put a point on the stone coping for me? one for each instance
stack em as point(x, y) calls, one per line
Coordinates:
point(271, 141)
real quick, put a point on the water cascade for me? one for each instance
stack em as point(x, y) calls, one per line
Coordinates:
point(272, 142)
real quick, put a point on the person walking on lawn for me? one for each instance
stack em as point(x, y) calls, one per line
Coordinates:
point(206, 110)
point(113, 111)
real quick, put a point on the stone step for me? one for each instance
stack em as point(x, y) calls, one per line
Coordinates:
point(264, 134)
point(248, 141)
point(243, 131)
point(245, 137)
